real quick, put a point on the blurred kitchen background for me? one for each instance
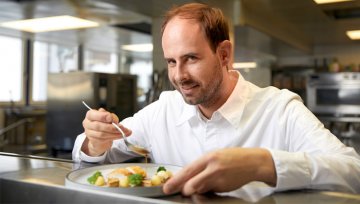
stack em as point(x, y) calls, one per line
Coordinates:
point(117, 62)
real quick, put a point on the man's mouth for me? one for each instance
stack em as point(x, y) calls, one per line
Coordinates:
point(187, 89)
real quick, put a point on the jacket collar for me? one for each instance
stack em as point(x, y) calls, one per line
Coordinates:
point(231, 110)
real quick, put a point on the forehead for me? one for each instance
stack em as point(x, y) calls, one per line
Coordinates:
point(179, 21)
point(183, 35)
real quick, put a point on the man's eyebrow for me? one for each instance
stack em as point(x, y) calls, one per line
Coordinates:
point(190, 54)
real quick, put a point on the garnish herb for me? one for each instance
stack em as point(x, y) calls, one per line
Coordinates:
point(92, 179)
point(135, 179)
point(161, 168)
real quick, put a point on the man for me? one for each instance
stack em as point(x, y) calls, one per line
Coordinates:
point(225, 131)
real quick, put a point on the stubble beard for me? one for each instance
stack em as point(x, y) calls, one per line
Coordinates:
point(209, 94)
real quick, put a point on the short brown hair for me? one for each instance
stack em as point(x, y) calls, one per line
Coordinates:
point(211, 20)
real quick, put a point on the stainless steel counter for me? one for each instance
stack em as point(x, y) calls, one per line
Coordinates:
point(29, 179)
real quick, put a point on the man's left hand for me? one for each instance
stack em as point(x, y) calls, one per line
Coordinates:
point(223, 170)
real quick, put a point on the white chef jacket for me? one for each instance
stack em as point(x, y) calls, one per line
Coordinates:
point(306, 155)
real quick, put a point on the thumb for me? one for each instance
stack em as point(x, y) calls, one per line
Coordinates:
point(115, 118)
point(110, 117)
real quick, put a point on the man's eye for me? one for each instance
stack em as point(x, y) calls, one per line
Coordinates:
point(192, 58)
point(171, 62)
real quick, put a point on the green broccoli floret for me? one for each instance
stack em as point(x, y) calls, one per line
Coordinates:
point(135, 179)
point(161, 168)
point(92, 179)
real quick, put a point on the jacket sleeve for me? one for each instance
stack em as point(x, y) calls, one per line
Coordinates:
point(315, 158)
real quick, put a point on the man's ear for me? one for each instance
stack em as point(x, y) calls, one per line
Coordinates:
point(225, 49)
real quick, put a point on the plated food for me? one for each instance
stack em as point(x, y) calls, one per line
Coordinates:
point(78, 179)
point(131, 176)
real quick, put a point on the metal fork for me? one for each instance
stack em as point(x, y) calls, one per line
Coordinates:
point(135, 148)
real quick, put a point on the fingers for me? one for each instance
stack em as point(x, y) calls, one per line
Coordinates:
point(218, 171)
point(198, 184)
point(99, 136)
point(97, 130)
point(97, 125)
point(176, 183)
point(101, 115)
point(96, 120)
point(100, 132)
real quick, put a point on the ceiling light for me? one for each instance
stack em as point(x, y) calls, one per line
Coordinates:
point(329, 1)
point(50, 24)
point(244, 65)
point(138, 47)
point(353, 34)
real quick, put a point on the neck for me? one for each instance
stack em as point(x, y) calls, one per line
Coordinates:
point(229, 84)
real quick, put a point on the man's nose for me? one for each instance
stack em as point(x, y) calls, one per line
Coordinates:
point(180, 72)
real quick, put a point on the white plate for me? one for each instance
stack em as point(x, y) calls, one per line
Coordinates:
point(78, 179)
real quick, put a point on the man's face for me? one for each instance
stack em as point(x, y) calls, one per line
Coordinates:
point(193, 68)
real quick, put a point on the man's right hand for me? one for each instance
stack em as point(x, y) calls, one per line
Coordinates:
point(100, 132)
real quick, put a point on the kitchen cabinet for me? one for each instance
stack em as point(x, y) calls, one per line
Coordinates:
point(293, 79)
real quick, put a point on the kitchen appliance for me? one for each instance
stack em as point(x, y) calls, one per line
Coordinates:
point(335, 99)
point(334, 93)
point(65, 111)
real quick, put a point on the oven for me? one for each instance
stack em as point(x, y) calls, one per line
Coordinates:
point(335, 94)
point(335, 99)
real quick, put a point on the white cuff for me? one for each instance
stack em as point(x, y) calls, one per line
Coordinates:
point(292, 170)
point(79, 155)
point(85, 157)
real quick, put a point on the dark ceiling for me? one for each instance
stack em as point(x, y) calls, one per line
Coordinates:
point(300, 23)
